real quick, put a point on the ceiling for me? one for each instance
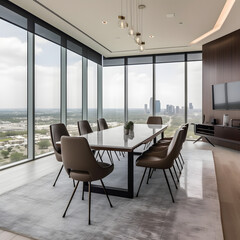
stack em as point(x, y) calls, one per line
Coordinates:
point(82, 19)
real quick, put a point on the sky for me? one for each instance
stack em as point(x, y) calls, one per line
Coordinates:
point(13, 77)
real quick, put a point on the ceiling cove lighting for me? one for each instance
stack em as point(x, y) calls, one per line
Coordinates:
point(221, 19)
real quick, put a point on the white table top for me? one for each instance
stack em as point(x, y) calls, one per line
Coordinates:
point(115, 139)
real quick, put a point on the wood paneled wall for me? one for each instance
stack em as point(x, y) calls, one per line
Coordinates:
point(221, 63)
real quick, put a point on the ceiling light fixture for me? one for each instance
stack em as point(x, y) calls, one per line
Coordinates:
point(138, 37)
point(135, 29)
point(104, 22)
point(121, 22)
point(121, 19)
point(141, 46)
point(221, 19)
point(131, 30)
point(151, 36)
point(170, 15)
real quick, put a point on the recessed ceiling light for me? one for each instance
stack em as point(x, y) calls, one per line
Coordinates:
point(104, 22)
point(170, 15)
point(151, 36)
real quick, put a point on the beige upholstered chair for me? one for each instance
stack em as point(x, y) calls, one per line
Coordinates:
point(81, 165)
point(57, 131)
point(155, 160)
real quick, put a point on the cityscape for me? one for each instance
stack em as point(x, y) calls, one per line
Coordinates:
point(13, 126)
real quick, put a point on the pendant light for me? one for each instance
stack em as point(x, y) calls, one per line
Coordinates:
point(121, 19)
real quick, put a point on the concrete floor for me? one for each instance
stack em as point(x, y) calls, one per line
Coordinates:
point(30, 205)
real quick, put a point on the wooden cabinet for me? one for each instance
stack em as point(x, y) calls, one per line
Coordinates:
point(229, 134)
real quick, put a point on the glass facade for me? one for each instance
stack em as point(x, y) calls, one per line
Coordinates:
point(47, 92)
point(113, 95)
point(194, 71)
point(170, 94)
point(13, 93)
point(140, 92)
point(74, 91)
point(92, 94)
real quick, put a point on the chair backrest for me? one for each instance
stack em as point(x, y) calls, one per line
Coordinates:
point(175, 146)
point(57, 131)
point(84, 127)
point(154, 120)
point(77, 156)
point(102, 124)
point(185, 127)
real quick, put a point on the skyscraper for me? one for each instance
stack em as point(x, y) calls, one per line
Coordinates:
point(158, 106)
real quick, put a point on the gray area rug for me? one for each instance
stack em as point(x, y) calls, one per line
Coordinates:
point(36, 209)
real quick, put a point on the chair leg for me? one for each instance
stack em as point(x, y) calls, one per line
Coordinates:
point(109, 155)
point(73, 183)
point(98, 154)
point(106, 193)
point(168, 185)
point(117, 156)
point(70, 199)
point(181, 157)
point(58, 176)
point(154, 169)
point(83, 191)
point(175, 173)
point(103, 153)
point(149, 172)
point(178, 167)
point(173, 178)
point(141, 181)
point(180, 163)
point(89, 203)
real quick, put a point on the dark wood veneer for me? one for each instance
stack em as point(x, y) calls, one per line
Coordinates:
point(221, 63)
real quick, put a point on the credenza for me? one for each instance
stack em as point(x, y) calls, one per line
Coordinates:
point(225, 133)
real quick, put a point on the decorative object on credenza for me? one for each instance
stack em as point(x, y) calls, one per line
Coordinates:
point(128, 127)
point(214, 121)
point(225, 120)
point(235, 123)
point(203, 118)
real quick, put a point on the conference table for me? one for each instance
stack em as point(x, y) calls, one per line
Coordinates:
point(114, 139)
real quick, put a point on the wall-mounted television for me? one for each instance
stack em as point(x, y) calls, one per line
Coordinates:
point(226, 96)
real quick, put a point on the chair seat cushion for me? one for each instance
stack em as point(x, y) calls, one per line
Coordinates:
point(80, 176)
point(152, 161)
point(86, 176)
point(164, 142)
point(158, 152)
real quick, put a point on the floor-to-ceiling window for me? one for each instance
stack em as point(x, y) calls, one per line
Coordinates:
point(140, 92)
point(113, 95)
point(74, 91)
point(92, 94)
point(13, 93)
point(170, 94)
point(47, 92)
point(194, 87)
